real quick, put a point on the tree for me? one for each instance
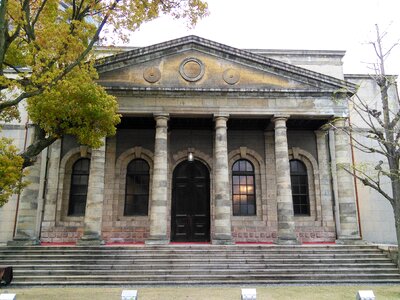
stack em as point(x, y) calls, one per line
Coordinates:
point(379, 134)
point(48, 44)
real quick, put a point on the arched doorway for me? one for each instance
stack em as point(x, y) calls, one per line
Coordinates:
point(190, 218)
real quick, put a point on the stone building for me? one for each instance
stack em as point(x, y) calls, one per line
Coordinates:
point(216, 144)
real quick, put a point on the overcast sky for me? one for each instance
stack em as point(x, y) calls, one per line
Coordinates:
point(291, 24)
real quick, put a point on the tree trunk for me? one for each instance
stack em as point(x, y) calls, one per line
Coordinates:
point(3, 31)
point(396, 210)
point(39, 143)
point(397, 222)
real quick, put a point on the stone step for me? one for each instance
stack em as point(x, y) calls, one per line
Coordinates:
point(204, 261)
point(226, 272)
point(187, 251)
point(198, 264)
point(210, 282)
point(205, 247)
point(139, 279)
point(122, 267)
point(178, 256)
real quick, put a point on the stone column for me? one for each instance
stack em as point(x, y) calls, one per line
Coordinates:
point(159, 187)
point(223, 205)
point(26, 233)
point(349, 230)
point(286, 225)
point(325, 180)
point(95, 197)
point(50, 206)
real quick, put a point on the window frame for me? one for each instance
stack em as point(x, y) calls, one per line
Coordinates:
point(72, 188)
point(134, 175)
point(300, 184)
point(238, 186)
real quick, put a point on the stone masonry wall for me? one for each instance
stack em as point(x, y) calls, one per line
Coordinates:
point(256, 146)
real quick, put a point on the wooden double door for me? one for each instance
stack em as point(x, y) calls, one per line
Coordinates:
point(190, 219)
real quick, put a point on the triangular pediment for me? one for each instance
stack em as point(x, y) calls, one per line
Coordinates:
point(193, 63)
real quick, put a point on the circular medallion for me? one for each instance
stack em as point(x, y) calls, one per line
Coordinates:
point(231, 76)
point(191, 69)
point(152, 74)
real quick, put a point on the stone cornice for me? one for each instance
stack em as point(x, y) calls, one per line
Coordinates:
point(121, 90)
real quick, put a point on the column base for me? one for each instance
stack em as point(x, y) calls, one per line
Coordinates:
point(223, 242)
point(24, 241)
point(155, 242)
point(92, 239)
point(345, 240)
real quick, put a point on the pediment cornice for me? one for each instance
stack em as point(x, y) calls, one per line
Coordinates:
point(316, 82)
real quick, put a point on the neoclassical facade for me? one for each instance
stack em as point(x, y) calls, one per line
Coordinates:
point(216, 145)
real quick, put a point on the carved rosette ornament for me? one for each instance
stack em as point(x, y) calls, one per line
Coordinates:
point(231, 76)
point(152, 74)
point(191, 69)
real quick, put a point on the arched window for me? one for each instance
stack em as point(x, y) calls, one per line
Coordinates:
point(79, 187)
point(299, 181)
point(137, 188)
point(243, 188)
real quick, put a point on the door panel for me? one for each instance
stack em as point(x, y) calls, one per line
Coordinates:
point(190, 219)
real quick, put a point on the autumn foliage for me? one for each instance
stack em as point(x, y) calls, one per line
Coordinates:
point(46, 46)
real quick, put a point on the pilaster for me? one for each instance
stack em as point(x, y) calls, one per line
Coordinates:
point(349, 230)
point(50, 206)
point(25, 233)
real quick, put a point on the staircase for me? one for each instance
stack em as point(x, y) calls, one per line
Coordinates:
point(198, 264)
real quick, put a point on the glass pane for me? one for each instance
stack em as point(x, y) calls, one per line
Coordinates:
point(236, 210)
point(303, 180)
point(235, 166)
point(301, 168)
point(242, 179)
point(250, 189)
point(249, 167)
point(235, 179)
point(242, 165)
point(250, 200)
point(250, 180)
point(251, 209)
point(303, 189)
point(293, 166)
point(138, 166)
point(141, 205)
point(235, 189)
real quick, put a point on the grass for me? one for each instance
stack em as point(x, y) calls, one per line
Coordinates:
point(319, 292)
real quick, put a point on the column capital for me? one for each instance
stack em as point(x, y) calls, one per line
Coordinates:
point(280, 117)
point(161, 116)
point(221, 117)
point(339, 122)
point(161, 120)
point(220, 121)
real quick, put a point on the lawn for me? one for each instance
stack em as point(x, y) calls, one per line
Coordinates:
point(320, 292)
